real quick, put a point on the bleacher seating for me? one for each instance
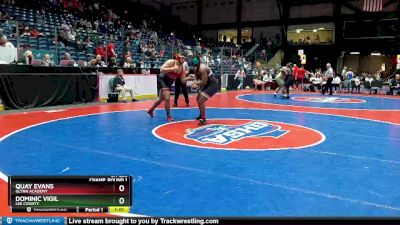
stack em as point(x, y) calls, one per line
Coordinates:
point(50, 24)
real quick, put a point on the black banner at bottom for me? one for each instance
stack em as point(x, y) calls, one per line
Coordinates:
point(222, 221)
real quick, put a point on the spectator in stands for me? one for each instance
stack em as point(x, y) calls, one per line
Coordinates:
point(344, 72)
point(79, 42)
point(128, 63)
point(111, 50)
point(67, 56)
point(28, 56)
point(316, 81)
point(349, 74)
point(96, 6)
point(101, 51)
point(258, 76)
point(267, 80)
point(88, 26)
point(394, 84)
point(240, 75)
point(112, 63)
point(258, 80)
point(142, 65)
point(128, 55)
point(103, 28)
point(75, 25)
point(40, 17)
point(378, 75)
point(153, 56)
point(143, 47)
point(82, 23)
point(57, 42)
point(4, 16)
point(71, 36)
point(154, 37)
point(97, 62)
point(269, 44)
point(4, 43)
point(26, 32)
point(206, 59)
point(120, 86)
point(35, 33)
point(336, 83)
point(87, 43)
point(368, 78)
point(64, 26)
point(47, 61)
point(357, 84)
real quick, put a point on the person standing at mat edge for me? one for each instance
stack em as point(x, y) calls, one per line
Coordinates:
point(329, 78)
point(280, 81)
point(172, 70)
point(208, 87)
point(182, 85)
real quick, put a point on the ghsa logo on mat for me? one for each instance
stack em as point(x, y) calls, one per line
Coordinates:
point(329, 99)
point(226, 134)
point(239, 134)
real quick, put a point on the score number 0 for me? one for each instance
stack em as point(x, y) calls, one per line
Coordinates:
point(121, 200)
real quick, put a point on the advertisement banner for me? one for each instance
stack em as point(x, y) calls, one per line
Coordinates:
point(143, 85)
point(8, 55)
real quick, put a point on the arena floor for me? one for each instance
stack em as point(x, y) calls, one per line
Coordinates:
point(312, 155)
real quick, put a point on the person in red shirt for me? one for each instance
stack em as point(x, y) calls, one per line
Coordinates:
point(76, 4)
point(100, 50)
point(65, 3)
point(36, 33)
point(295, 70)
point(301, 73)
point(111, 50)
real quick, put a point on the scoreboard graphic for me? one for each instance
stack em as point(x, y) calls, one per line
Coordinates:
point(89, 194)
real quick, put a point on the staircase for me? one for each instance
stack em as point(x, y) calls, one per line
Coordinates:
point(251, 50)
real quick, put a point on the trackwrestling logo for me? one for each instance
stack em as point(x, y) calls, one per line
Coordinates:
point(239, 134)
point(226, 134)
point(328, 99)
